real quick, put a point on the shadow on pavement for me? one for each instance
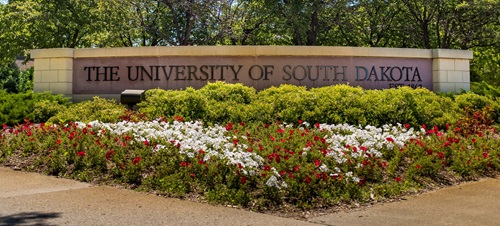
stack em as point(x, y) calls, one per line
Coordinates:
point(29, 218)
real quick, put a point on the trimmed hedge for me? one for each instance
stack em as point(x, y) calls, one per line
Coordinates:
point(34, 107)
point(219, 103)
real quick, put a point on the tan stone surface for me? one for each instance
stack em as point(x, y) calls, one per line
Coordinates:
point(52, 53)
point(61, 88)
point(41, 86)
point(452, 54)
point(443, 65)
point(61, 64)
point(252, 51)
point(455, 76)
point(444, 87)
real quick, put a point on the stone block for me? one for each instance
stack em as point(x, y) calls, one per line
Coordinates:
point(455, 76)
point(50, 76)
point(466, 76)
point(439, 76)
point(443, 64)
point(52, 53)
point(65, 76)
point(61, 88)
point(61, 64)
point(42, 64)
point(452, 54)
point(462, 65)
point(444, 87)
point(37, 76)
point(41, 86)
point(462, 86)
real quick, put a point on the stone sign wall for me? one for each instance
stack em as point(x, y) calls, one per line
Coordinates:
point(83, 73)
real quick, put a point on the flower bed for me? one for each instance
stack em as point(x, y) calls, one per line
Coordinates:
point(257, 165)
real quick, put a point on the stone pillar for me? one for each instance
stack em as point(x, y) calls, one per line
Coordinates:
point(451, 70)
point(53, 70)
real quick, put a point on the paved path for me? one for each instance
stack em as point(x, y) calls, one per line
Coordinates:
point(33, 199)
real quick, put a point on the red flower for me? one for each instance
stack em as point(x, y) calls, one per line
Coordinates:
point(267, 167)
point(317, 125)
point(191, 175)
point(81, 153)
point(398, 179)
point(136, 160)
point(283, 172)
point(307, 180)
point(317, 162)
point(271, 137)
point(296, 168)
point(229, 126)
point(58, 142)
point(407, 126)
point(109, 154)
point(485, 155)
point(363, 148)
point(389, 139)
point(291, 176)
point(146, 142)
point(419, 166)
point(300, 121)
point(429, 152)
point(441, 155)
point(243, 180)
point(280, 130)
point(178, 118)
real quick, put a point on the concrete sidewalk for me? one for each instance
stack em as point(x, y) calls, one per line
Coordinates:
point(33, 199)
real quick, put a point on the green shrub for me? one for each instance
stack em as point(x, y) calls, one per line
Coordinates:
point(35, 107)
point(98, 109)
point(339, 104)
point(14, 80)
point(476, 102)
point(187, 103)
point(220, 91)
point(485, 89)
point(288, 103)
point(221, 103)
